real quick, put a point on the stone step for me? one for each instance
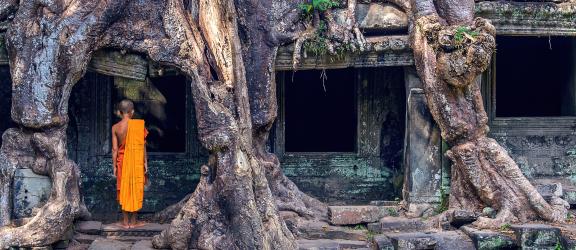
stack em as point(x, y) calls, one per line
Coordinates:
point(409, 241)
point(489, 240)
point(130, 239)
point(147, 230)
point(86, 238)
point(331, 244)
point(354, 215)
point(449, 240)
point(397, 224)
point(556, 186)
point(537, 236)
point(322, 230)
point(109, 244)
point(88, 227)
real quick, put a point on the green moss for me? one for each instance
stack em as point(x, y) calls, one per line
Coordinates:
point(505, 227)
point(493, 243)
point(443, 206)
point(317, 5)
point(392, 212)
point(463, 32)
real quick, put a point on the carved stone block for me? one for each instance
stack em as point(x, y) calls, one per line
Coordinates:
point(30, 191)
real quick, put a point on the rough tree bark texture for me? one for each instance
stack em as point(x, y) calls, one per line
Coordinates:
point(235, 204)
point(451, 50)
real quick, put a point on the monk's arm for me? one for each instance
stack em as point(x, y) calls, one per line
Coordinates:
point(114, 150)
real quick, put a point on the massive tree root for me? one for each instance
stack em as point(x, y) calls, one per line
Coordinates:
point(50, 45)
point(48, 54)
point(451, 49)
point(64, 205)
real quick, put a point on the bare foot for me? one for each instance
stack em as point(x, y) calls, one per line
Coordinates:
point(122, 225)
point(138, 224)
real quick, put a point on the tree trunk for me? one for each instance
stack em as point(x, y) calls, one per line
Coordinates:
point(50, 45)
point(451, 50)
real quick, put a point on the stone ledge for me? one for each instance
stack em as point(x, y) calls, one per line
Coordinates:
point(353, 215)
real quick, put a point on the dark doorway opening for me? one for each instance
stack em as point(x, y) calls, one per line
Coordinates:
point(5, 100)
point(161, 102)
point(320, 110)
point(535, 76)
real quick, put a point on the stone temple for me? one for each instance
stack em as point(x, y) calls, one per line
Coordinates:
point(373, 140)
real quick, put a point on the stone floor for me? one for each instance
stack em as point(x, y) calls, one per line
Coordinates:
point(358, 227)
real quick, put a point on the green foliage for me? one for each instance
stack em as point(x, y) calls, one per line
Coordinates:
point(319, 5)
point(505, 227)
point(360, 227)
point(558, 246)
point(464, 32)
point(443, 206)
point(317, 45)
point(370, 236)
point(392, 212)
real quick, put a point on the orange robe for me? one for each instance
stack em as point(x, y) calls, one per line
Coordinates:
point(130, 162)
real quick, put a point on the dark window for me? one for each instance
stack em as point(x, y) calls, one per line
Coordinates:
point(535, 76)
point(161, 102)
point(320, 115)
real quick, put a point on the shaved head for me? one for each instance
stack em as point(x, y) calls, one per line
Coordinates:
point(126, 106)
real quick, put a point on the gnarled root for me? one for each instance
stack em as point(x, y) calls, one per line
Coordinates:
point(230, 209)
point(484, 175)
point(449, 59)
point(64, 205)
point(335, 36)
point(288, 196)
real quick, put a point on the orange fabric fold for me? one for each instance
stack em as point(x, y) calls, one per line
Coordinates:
point(132, 177)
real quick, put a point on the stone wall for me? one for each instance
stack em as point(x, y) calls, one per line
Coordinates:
point(375, 170)
point(172, 175)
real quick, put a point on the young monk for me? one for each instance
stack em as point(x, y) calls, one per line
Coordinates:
point(129, 162)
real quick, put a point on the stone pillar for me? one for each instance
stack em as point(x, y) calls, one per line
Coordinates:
point(423, 151)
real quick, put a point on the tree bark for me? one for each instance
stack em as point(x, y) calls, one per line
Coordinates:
point(51, 42)
point(451, 50)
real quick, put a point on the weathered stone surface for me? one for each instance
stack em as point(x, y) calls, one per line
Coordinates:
point(77, 246)
point(452, 240)
point(331, 244)
point(89, 227)
point(86, 238)
point(132, 234)
point(397, 224)
point(116, 63)
point(321, 230)
point(459, 218)
point(417, 210)
point(352, 215)
point(488, 240)
point(381, 242)
point(423, 159)
point(411, 241)
point(107, 244)
point(142, 245)
point(63, 244)
point(537, 236)
point(381, 17)
point(30, 191)
point(550, 190)
point(384, 203)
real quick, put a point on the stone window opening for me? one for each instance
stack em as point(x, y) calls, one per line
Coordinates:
point(320, 111)
point(534, 76)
